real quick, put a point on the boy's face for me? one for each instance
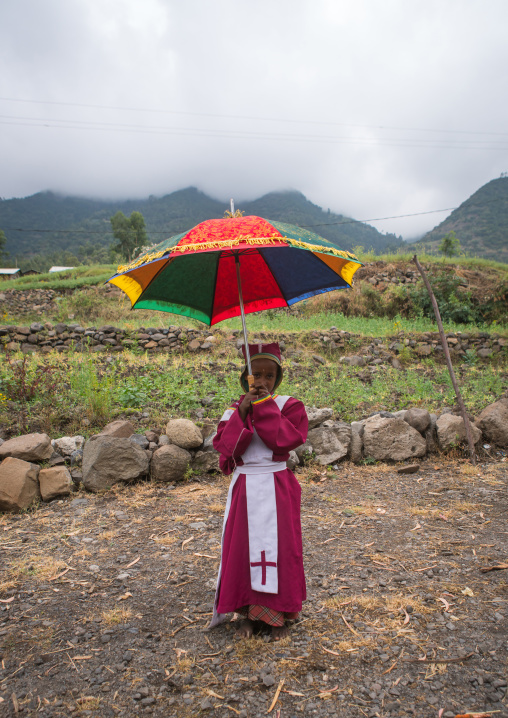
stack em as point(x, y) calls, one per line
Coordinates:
point(264, 372)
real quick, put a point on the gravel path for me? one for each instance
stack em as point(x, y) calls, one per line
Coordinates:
point(105, 602)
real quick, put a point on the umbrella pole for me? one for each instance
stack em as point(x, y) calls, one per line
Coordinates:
point(250, 378)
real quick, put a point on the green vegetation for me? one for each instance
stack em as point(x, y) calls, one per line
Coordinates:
point(450, 244)
point(3, 241)
point(130, 233)
point(82, 392)
point(69, 279)
point(480, 222)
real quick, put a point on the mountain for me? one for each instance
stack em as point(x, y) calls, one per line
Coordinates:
point(480, 223)
point(76, 228)
point(346, 233)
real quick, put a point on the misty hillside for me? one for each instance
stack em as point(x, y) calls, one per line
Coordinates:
point(480, 223)
point(55, 226)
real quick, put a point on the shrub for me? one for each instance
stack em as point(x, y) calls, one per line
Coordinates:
point(454, 301)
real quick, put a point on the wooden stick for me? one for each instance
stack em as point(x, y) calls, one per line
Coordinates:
point(446, 351)
point(276, 696)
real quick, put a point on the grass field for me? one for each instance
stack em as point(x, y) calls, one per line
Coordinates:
point(80, 392)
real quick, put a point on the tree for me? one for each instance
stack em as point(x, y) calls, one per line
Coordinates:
point(450, 244)
point(3, 241)
point(130, 233)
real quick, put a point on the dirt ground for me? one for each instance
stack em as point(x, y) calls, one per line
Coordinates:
point(105, 601)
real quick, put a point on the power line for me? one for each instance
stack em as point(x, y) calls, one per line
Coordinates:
point(83, 125)
point(378, 219)
point(249, 117)
point(303, 226)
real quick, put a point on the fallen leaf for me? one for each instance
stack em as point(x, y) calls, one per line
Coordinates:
point(498, 567)
point(347, 624)
point(276, 696)
point(334, 653)
point(59, 575)
point(132, 562)
point(446, 604)
point(215, 695)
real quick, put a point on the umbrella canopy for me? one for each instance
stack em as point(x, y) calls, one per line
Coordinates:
point(195, 274)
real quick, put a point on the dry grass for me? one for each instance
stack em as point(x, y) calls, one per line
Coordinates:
point(39, 566)
point(250, 648)
point(88, 703)
point(117, 614)
point(422, 510)
point(216, 508)
point(184, 663)
point(166, 540)
point(82, 553)
point(463, 507)
point(108, 535)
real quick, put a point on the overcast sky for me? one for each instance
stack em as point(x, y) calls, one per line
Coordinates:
point(372, 108)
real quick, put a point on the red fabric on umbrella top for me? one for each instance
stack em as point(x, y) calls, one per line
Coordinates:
point(221, 233)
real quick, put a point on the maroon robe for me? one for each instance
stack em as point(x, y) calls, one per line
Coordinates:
point(280, 432)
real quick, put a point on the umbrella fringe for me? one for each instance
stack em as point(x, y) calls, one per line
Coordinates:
point(229, 244)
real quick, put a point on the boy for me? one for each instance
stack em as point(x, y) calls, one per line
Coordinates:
point(261, 574)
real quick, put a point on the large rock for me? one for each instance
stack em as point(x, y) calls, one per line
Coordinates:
point(55, 482)
point(184, 433)
point(391, 439)
point(30, 447)
point(356, 447)
point(18, 484)
point(170, 463)
point(451, 431)
point(419, 419)
point(121, 428)
point(431, 436)
point(317, 416)
point(304, 452)
point(67, 445)
point(206, 462)
point(493, 422)
point(108, 460)
point(330, 441)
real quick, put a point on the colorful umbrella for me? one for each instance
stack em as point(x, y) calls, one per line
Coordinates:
point(230, 267)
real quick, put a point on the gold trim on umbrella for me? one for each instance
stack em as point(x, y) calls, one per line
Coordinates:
point(230, 243)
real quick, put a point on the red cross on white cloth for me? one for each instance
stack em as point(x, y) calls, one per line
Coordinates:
point(264, 563)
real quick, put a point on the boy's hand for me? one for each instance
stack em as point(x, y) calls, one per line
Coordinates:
point(256, 392)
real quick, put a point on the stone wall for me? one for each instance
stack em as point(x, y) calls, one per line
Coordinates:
point(18, 302)
point(120, 455)
point(63, 337)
